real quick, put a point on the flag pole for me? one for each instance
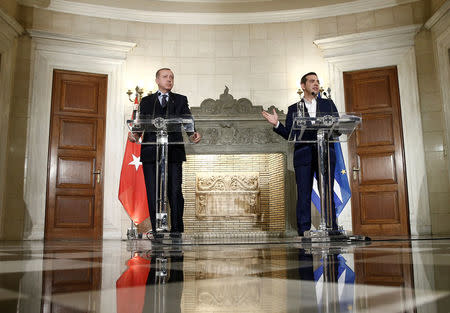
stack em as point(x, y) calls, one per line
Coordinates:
point(132, 232)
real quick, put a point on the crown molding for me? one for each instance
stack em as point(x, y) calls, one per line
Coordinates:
point(12, 23)
point(34, 3)
point(377, 40)
point(220, 18)
point(438, 15)
point(84, 45)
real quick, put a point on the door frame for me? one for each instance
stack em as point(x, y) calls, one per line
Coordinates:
point(381, 48)
point(55, 51)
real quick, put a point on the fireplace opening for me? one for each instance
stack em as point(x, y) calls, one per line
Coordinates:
point(239, 194)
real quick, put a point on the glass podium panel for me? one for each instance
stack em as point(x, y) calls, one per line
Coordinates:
point(337, 128)
point(161, 126)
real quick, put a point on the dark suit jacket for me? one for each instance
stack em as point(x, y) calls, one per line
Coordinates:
point(177, 105)
point(303, 152)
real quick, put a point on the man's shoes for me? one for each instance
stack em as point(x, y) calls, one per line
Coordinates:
point(157, 235)
point(175, 235)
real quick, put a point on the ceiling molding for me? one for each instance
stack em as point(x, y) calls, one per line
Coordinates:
point(12, 23)
point(438, 15)
point(34, 3)
point(220, 18)
point(85, 46)
point(377, 40)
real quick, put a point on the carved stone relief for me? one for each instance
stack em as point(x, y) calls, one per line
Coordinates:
point(220, 195)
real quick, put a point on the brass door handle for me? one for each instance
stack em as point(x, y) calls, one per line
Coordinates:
point(355, 172)
point(98, 173)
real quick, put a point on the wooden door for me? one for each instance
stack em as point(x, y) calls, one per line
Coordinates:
point(376, 162)
point(76, 150)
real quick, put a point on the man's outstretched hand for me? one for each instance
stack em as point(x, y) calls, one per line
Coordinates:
point(271, 118)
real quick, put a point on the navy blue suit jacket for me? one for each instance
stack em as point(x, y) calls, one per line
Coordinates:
point(303, 152)
point(177, 106)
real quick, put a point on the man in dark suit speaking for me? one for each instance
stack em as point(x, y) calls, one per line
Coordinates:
point(305, 154)
point(165, 103)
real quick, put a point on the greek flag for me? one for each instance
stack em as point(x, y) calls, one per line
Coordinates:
point(341, 188)
point(345, 281)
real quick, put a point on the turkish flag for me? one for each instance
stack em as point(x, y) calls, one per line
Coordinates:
point(132, 192)
point(131, 286)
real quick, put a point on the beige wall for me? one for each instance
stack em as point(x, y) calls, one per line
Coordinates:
point(9, 31)
point(262, 62)
point(437, 114)
point(434, 130)
point(13, 226)
point(10, 7)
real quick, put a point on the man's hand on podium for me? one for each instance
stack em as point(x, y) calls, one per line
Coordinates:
point(195, 137)
point(271, 118)
point(133, 137)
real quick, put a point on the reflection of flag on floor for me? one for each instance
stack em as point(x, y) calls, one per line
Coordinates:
point(132, 192)
point(346, 281)
point(342, 191)
point(130, 287)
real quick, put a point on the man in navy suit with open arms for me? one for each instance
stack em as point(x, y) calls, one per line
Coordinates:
point(165, 103)
point(305, 154)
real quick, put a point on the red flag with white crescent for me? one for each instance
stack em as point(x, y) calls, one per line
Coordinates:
point(132, 191)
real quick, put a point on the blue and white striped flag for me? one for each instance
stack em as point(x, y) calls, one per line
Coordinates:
point(345, 281)
point(341, 188)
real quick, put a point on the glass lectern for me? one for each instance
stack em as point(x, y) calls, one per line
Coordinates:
point(322, 130)
point(161, 129)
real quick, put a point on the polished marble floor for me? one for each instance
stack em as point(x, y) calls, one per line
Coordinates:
point(230, 276)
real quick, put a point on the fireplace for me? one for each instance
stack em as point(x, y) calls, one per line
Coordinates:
point(234, 193)
point(234, 180)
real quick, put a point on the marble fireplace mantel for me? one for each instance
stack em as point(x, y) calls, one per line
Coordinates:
point(234, 126)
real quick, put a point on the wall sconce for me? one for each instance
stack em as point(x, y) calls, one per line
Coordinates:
point(326, 93)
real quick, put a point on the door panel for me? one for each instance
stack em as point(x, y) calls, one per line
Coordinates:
point(377, 168)
point(75, 188)
point(382, 133)
point(387, 203)
point(74, 211)
point(78, 134)
point(379, 198)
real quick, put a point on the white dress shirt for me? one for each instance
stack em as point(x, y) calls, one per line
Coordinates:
point(310, 106)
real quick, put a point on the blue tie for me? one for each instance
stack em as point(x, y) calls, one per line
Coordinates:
point(164, 101)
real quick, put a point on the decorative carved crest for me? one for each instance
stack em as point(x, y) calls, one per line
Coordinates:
point(228, 106)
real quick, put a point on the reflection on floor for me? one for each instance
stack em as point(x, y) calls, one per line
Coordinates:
point(273, 276)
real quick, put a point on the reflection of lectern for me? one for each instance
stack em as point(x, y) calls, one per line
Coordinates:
point(323, 130)
point(161, 127)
